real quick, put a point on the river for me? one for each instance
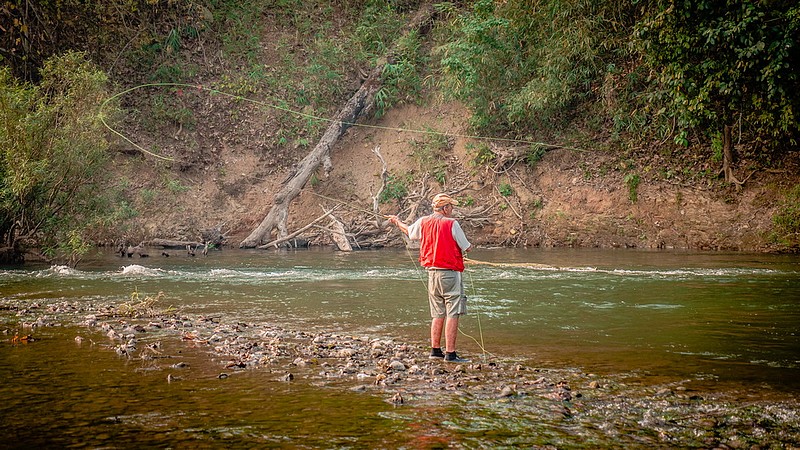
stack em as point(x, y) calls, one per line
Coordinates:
point(723, 324)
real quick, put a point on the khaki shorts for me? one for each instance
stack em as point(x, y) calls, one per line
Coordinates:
point(446, 293)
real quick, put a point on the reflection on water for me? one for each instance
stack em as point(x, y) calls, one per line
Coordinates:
point(54, 399)
point(720, 319)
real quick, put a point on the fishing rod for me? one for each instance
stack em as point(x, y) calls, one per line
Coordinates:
point(501, 264)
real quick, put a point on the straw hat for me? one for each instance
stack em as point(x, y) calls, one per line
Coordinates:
point(442, 200)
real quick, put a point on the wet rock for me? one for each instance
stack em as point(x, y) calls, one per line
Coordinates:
point(346, 353)
point(594, 384)
point(665, 392)
point(397, 366)
point(301, 362)
point(507, 391)
point(415, 370)
point(287, 377)
point(397, 399)
point(349, 368)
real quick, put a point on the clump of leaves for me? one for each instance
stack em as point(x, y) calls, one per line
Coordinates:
point(481, 155)
point(396, 188)
point(632, 182)
point(52, 167)
point(534, 155)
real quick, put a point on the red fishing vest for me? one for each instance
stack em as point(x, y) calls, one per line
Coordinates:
point(438, 248)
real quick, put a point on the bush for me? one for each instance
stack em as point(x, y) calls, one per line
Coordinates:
point(53, 154)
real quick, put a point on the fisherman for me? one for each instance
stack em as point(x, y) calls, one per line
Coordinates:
point(443, 245)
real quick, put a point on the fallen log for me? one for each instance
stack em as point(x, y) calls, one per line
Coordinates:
point(339, 236)
point(360, 104)
point(169, 243)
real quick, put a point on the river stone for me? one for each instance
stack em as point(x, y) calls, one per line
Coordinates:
point(507, 391)
point(397, 366)
point(346, 353)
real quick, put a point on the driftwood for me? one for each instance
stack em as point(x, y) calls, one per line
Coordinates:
point(278, 242)
point(169, 243)
point(360, 104)
point(384, 179)
point(339, 236)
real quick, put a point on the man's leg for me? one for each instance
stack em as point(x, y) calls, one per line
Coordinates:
point(451, 333)
point(437, 325)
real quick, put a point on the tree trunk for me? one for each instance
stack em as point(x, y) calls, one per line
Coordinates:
point(727, 155)
point(361, 103)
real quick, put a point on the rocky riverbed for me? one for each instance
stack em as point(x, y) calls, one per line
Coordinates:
point(494, 399)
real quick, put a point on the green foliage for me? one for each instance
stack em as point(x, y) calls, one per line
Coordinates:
point(53, 155)
point(481, 154)
point(716, 147)
point(725, 62)
point(235, 22)
point(169, 109)
point(632, 182)
point(401, 79)
point(323, 74)
point(534, 155)
point(517, 70)
point(396, 189)
point(377, 27)
point(505, 190)
point(535, 206)
point(175, 186)
point(787, 220)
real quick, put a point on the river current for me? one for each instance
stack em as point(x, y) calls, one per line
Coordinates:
point(726, 322)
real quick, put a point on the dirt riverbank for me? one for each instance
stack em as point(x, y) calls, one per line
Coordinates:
point(577, 197)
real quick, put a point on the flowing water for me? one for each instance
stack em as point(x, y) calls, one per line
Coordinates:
point(725, 322)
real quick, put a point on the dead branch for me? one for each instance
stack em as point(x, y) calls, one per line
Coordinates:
point(339, 235)
point(384, 177)
point(277, 242)
point(508, 202)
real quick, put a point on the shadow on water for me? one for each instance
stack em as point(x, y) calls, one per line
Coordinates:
point(644, 323)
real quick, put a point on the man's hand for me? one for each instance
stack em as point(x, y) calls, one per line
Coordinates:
point(398, 223)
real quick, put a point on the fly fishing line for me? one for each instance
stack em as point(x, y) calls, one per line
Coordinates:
point(300, 114)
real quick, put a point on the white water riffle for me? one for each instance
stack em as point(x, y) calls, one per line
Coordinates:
point(732, 315)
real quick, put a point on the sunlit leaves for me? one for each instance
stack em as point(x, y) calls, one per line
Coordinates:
point(53, 153)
